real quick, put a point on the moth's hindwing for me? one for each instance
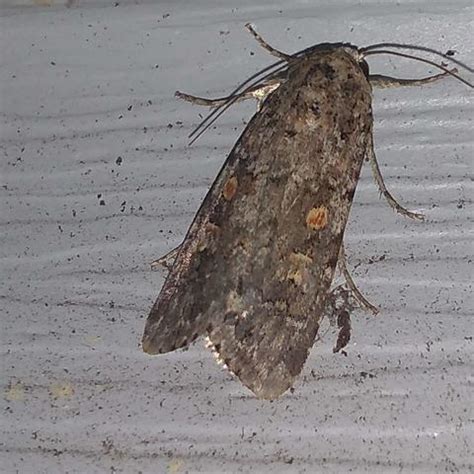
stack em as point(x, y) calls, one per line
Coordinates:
point(257, 263)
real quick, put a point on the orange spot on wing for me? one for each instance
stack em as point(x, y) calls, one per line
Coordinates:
point(317, 218)
point(230, 188)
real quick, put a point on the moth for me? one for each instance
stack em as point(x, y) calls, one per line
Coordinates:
point(255, 270)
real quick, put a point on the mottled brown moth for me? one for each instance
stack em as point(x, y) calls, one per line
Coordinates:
point(255, 269)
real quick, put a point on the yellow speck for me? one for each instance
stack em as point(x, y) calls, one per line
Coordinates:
point(92, 340)
point(175, 466)
point(61, 390)
point(202, 246)
point(15, 392)
point(298, 263)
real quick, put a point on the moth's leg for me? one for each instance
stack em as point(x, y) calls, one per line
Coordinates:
point(338, 309)
point(167, 260)
point(253, 93)
point(259, 93)
point(350, 283)
point(265, 45)
point(384, 82)
point(383, 190)
point(344, 325)
point(206, 102)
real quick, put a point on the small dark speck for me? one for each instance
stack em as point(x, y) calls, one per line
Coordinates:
point(450, 52)
point(101, 202)
point(252, 53)
point(119, 161)
point(129, 107)
point(53, 63)
point(315, 108)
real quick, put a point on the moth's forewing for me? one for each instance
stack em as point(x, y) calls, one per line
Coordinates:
point(257, 263)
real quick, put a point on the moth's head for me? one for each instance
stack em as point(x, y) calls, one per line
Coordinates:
point(353, 51)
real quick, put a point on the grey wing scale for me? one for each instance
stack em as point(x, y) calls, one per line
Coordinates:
point(176, 318)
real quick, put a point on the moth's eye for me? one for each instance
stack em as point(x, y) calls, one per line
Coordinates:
point(365, 67)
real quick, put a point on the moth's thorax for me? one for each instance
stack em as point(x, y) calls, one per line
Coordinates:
point(338, 64)
point(327, 91)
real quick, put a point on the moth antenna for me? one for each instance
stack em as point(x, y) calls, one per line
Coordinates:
point(265, 45)
point(211, 118)
point(423, 60)
point(418, 48)
point(234, 93)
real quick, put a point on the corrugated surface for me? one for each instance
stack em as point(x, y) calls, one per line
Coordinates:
point(85, 85)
